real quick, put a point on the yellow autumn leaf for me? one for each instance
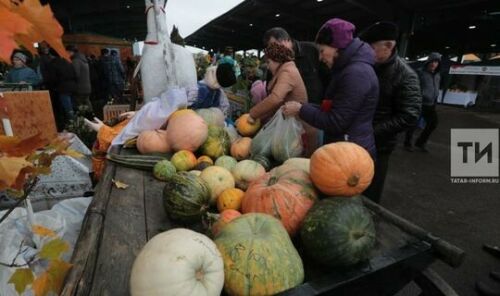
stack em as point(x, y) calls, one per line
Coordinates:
point(21, 278)
point(54, 249)
point(57, 272)
point(72, 153)
point(41, 284)
point(42, 231)
point(10, 167)
point(119, 184)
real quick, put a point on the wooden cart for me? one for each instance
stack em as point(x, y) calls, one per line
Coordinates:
point(119, 222)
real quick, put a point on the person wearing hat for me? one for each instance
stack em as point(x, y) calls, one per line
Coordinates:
point(430, 80)
point(399, 101)
point(351, 96)
point(210, 92)
point(20, 73)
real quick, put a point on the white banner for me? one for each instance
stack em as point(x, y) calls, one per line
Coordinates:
point(475, 70)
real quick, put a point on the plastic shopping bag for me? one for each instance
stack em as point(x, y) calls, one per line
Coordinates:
point(287, 138)
point(261, 143)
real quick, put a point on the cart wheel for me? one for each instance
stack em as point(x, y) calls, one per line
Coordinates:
point(432, 284)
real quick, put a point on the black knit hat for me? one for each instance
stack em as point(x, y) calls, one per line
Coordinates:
point(225, 75)
point(380, 31)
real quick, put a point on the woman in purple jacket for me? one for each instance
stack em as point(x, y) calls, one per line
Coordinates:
point(351, 97)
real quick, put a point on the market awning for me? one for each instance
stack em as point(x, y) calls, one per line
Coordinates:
point(454, 26)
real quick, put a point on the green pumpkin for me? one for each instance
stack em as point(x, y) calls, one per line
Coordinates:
point(227, 162)
point(259, 257)
point(164, 170)
point(338, 232)
point(186, 197)
point(263, 160)
point(217, 143)
point(212, 116)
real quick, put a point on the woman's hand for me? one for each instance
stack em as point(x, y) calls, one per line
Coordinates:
point(291, 108)
point(127, 115)
point(94, 125)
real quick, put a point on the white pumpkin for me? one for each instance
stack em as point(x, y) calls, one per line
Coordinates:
point(218, 179)
point(178, 262)
point(212, 116)
point(226, 162)
point(247, 171)
point(299, 163)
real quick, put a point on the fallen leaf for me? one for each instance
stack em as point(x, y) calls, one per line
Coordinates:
point(57, 271)
point(42, 231)
point(120, 185)
point(41, 285)
point(11, 24)
point(21, 278)
point(72, 153)
point(10, 168)
point(54, 249)
point(13, 146)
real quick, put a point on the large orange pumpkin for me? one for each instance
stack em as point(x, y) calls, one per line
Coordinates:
point(246, 129)
point(153, 141)
point(240, 149)
point(186, 131)
point(181, 112)
point(341, 169)
point(285, 192)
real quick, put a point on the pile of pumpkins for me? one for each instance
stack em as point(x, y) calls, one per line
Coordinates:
point(249, 250)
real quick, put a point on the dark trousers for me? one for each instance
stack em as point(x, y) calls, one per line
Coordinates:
point(374, 191)
point(429, 114)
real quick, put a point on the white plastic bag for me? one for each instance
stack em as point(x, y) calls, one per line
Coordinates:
point(153, 115)
point(287, 137)
point(261, 143)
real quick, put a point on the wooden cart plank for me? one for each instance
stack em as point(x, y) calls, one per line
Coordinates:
point(156, 218)
point(79, 278)
point(123, 236)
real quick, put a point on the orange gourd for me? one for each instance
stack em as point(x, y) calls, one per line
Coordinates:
point(240, 149)
point(183, 160)
point(246, 129)
point(341, 169)
point(230, 199)
point(285, 192)
point(153, 142)
point(225, 217)
point(186, 131)
point(206, 159)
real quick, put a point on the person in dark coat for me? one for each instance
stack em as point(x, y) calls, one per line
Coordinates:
point(399, 101)
point(430, 80)
point(351, 97)
point(306, 59)
point(62, 79)
point(83, 87)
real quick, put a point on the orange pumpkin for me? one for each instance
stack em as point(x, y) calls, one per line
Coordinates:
point(186, 131)
point(240, 149)
point(224, 218)
point(153, 141)
point(205, 158)
point(341, 169)
point(246, 129)
point(183, 160)
point(285, 192)
point(230, 199)
point(181, 112)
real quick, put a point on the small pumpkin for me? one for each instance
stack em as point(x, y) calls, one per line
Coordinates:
point(195, 172)
point(246, 129)
point(226, 162)
point(247, 171)
point(153, 142)
point(202, 165)
point(285, 192)
point(217, 143)
point(218, 179)
point(225, 217)
point(341, 169)
point(205, 158)
point(186, 131)
point(212, 116)
point(263, 160)
point(240, 149)
point(230, 199)
point(259, 257)
point(184, 160)
point(164, 170)
point(338, 232)
point(186, 197)
point(178, 262)
point(300, 163)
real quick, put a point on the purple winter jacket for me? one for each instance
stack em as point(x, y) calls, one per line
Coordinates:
point(353, 90)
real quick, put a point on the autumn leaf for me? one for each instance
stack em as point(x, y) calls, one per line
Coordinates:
point(13, 146)
point(72, 153)
point(21, 278)
point(53, 249)
point(42, 284)
point(42, 231)
point(10, 169)
point(11, 24)
point(57, 271)
point(119, 184)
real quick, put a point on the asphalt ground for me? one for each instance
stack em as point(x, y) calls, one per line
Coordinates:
point(419, 188)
